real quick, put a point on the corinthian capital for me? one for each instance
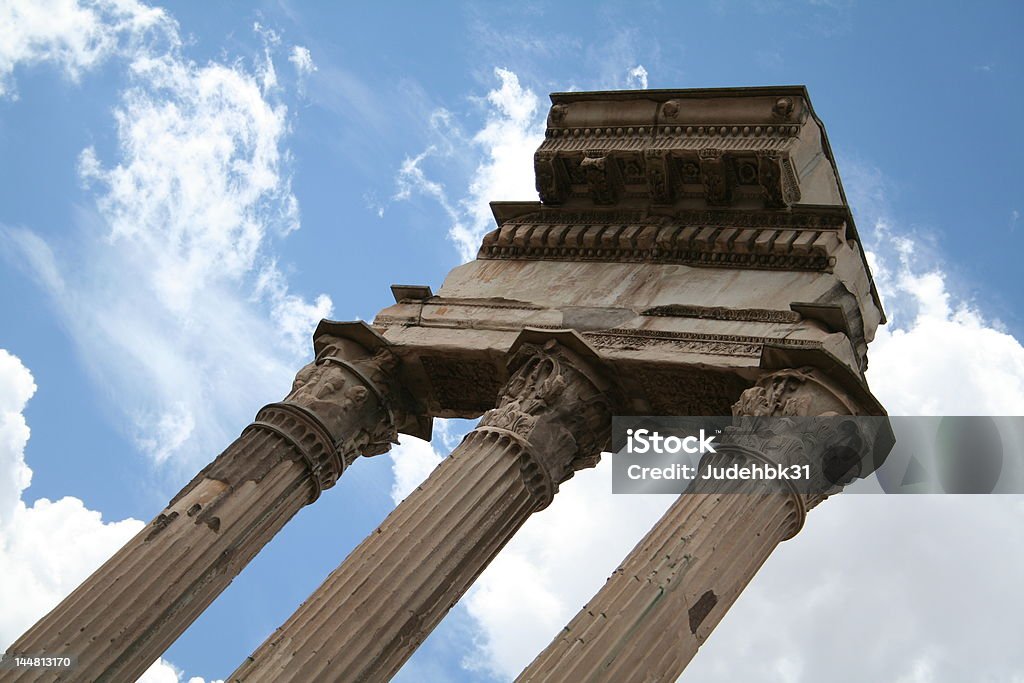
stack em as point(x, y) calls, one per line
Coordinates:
point(803, 392)
point(799, 417)
point(341, 405)
point(558, 408)
point(346, 385)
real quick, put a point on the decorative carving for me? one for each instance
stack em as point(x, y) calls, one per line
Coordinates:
point(337, 409)
point(555, 409)
point(690, 342)
point(555, 133)
point(777, 179)
point(689, 391)
point(549, 183)
point(462, 383)
point(772, 243)
point(783, 108)
point(666, 162)
point(658, 182)
point(632, 167)
point(547, 216)
point(573, 169)
point(759, 315)
point(714, 175)
point(806, 427)
point(818, 218)
point(790, 186)
point(791, 393)
point(602, 177)
point(557, 114)
point(689, 171)
point(746, 172)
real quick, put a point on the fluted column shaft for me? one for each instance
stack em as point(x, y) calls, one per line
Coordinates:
point(374, 610)
point(663, 600)
point(648, 620)
point(123, 617)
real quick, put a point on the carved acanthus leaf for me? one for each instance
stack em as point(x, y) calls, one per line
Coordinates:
point(553, 405)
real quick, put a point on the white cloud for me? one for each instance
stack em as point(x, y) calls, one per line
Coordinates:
point(897, 588)
point(174, 297)
point(414, 459)
point(50, 547)
point(301, 58)
point(942, 357)
point(411, 462)
point(16, 388)
point(75, 35)
point(503, 149)
point(163, 671)
point(637, 77)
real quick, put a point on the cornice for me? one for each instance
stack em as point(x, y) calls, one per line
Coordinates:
point(783, 241)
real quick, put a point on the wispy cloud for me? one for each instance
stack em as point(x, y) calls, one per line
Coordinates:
point(174, 297)
point(302, 60)
point(637, 77)
point(76, 36)
point(503, 166)
point(414, 459)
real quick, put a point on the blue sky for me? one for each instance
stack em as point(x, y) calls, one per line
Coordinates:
point(184, 191)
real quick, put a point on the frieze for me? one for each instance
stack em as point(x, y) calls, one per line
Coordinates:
point(760, 315)
point(691, 342)
point(462, 383)
point(607, 176)
point(689, 391)
point(822, 218)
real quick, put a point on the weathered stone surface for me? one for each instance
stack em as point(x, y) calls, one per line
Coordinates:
point(370, 614)
point(132, 608)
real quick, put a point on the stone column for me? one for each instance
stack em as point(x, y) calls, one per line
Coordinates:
point(373, 611)
point(648, 620)
point(123, 617)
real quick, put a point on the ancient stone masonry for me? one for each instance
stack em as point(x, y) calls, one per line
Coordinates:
point(692, 253)
point(343, 404)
